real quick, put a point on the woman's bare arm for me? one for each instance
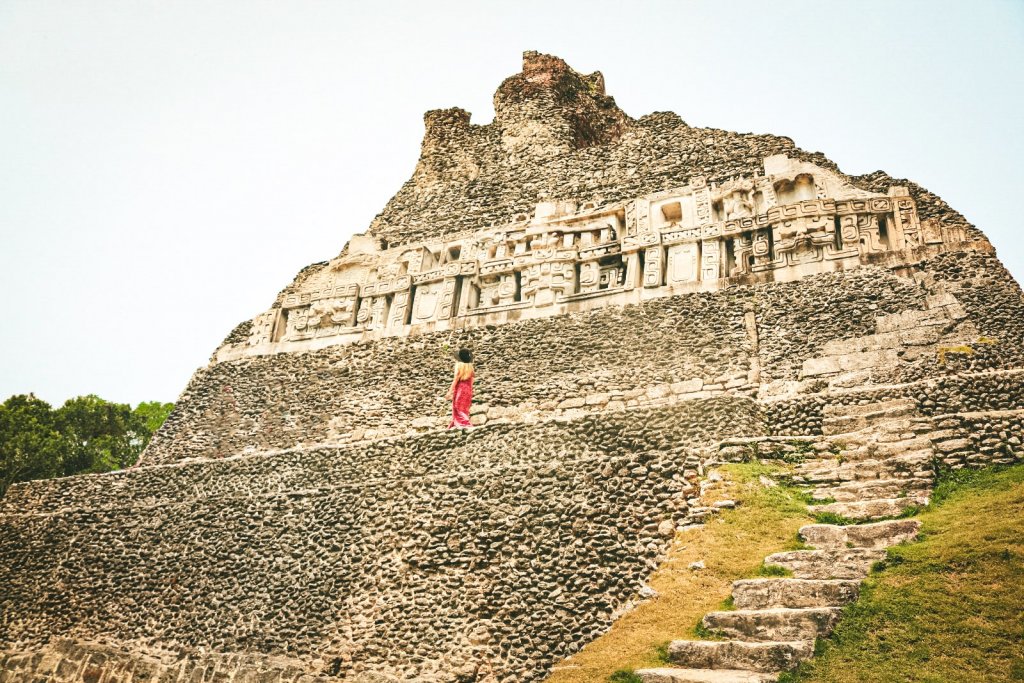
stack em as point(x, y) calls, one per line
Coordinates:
point(451, 390)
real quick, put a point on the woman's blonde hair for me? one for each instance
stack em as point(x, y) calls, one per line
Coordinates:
point(463, 364)
point(463, 370)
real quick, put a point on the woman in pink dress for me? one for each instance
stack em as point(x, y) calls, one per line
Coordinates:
point(461, 391)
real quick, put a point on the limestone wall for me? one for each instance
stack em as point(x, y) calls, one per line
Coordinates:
point(830, 332)
point(980, 439)
point(70, 661)
point(798, 321)
point(503, 548)
point(553, 366)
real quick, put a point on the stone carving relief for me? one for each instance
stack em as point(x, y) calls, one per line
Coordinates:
point(263, 328)
point(796, 218)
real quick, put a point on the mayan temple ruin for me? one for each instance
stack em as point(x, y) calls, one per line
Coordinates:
point(645, 299)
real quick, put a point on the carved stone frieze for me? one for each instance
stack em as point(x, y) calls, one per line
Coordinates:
point(794, 220)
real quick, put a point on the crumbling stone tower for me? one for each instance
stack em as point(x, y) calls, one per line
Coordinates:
point(637, 291)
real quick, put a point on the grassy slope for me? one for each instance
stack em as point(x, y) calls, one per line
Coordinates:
point(947, 609)
point(731, 546)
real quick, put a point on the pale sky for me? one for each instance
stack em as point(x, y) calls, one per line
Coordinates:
point(167, 167)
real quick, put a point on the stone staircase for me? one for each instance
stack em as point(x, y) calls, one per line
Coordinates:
point(880, 461)
point(874, 462)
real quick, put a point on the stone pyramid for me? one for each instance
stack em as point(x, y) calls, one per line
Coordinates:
point(644, 299)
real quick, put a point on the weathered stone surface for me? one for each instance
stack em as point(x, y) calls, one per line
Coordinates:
point(877, 535)
point(774, 624)
point(879, 508)
point(844, 563)
point(793, 593)
point(670, 675)
point(875, 488)
point(426, 534)
point(766, 657)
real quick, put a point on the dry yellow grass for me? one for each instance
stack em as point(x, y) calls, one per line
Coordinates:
point(732, 547)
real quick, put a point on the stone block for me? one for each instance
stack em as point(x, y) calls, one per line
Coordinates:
point(877, 535)
point(659, 391)
point(793, 593)
point(919, 336)
point(826, 365)
point(868, 359)
point(688, 386)
point(870, 342)
point(952, 445)
point(777, 624)
point(765, 657)
point(902, 321)
point(842, 563)
point(677, 675)
point(940, 299)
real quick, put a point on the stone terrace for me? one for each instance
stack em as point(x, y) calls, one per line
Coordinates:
point(502, 548)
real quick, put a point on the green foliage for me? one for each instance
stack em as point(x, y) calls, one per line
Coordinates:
point(807, 496)
point(661, 649)
point(951, 481)
point(773, 570)
point(86, 434)
point(833, 518)
point(704, 633)
point(625, 676)
point(153, 413)
point(31, 447)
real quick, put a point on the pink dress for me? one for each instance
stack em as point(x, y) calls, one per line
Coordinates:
point(461, 398)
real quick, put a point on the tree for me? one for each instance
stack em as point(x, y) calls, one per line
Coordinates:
point(154, 413)
point(31, 447)
point(86, 434)
point(104, 436)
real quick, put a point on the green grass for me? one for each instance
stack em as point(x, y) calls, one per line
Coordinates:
point(702, 632)
point(949, 608)
point(773, 570)
point(832, 518)
point(826, 517)
point(625, 676)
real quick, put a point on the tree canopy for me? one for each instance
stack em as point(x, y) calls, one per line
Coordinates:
point(86, 434)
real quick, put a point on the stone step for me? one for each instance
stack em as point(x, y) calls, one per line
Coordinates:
point(854, 491)
point(767, 657)
point(886, 428)
point(671, 675)
point(876, 450)
point(841, 563)
point(877, 508)
point(832, 470)
point(777, 624)
point(895, 406)
point(890, 420)
point(877, 535)
point(751, 594)
point(897, 460)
